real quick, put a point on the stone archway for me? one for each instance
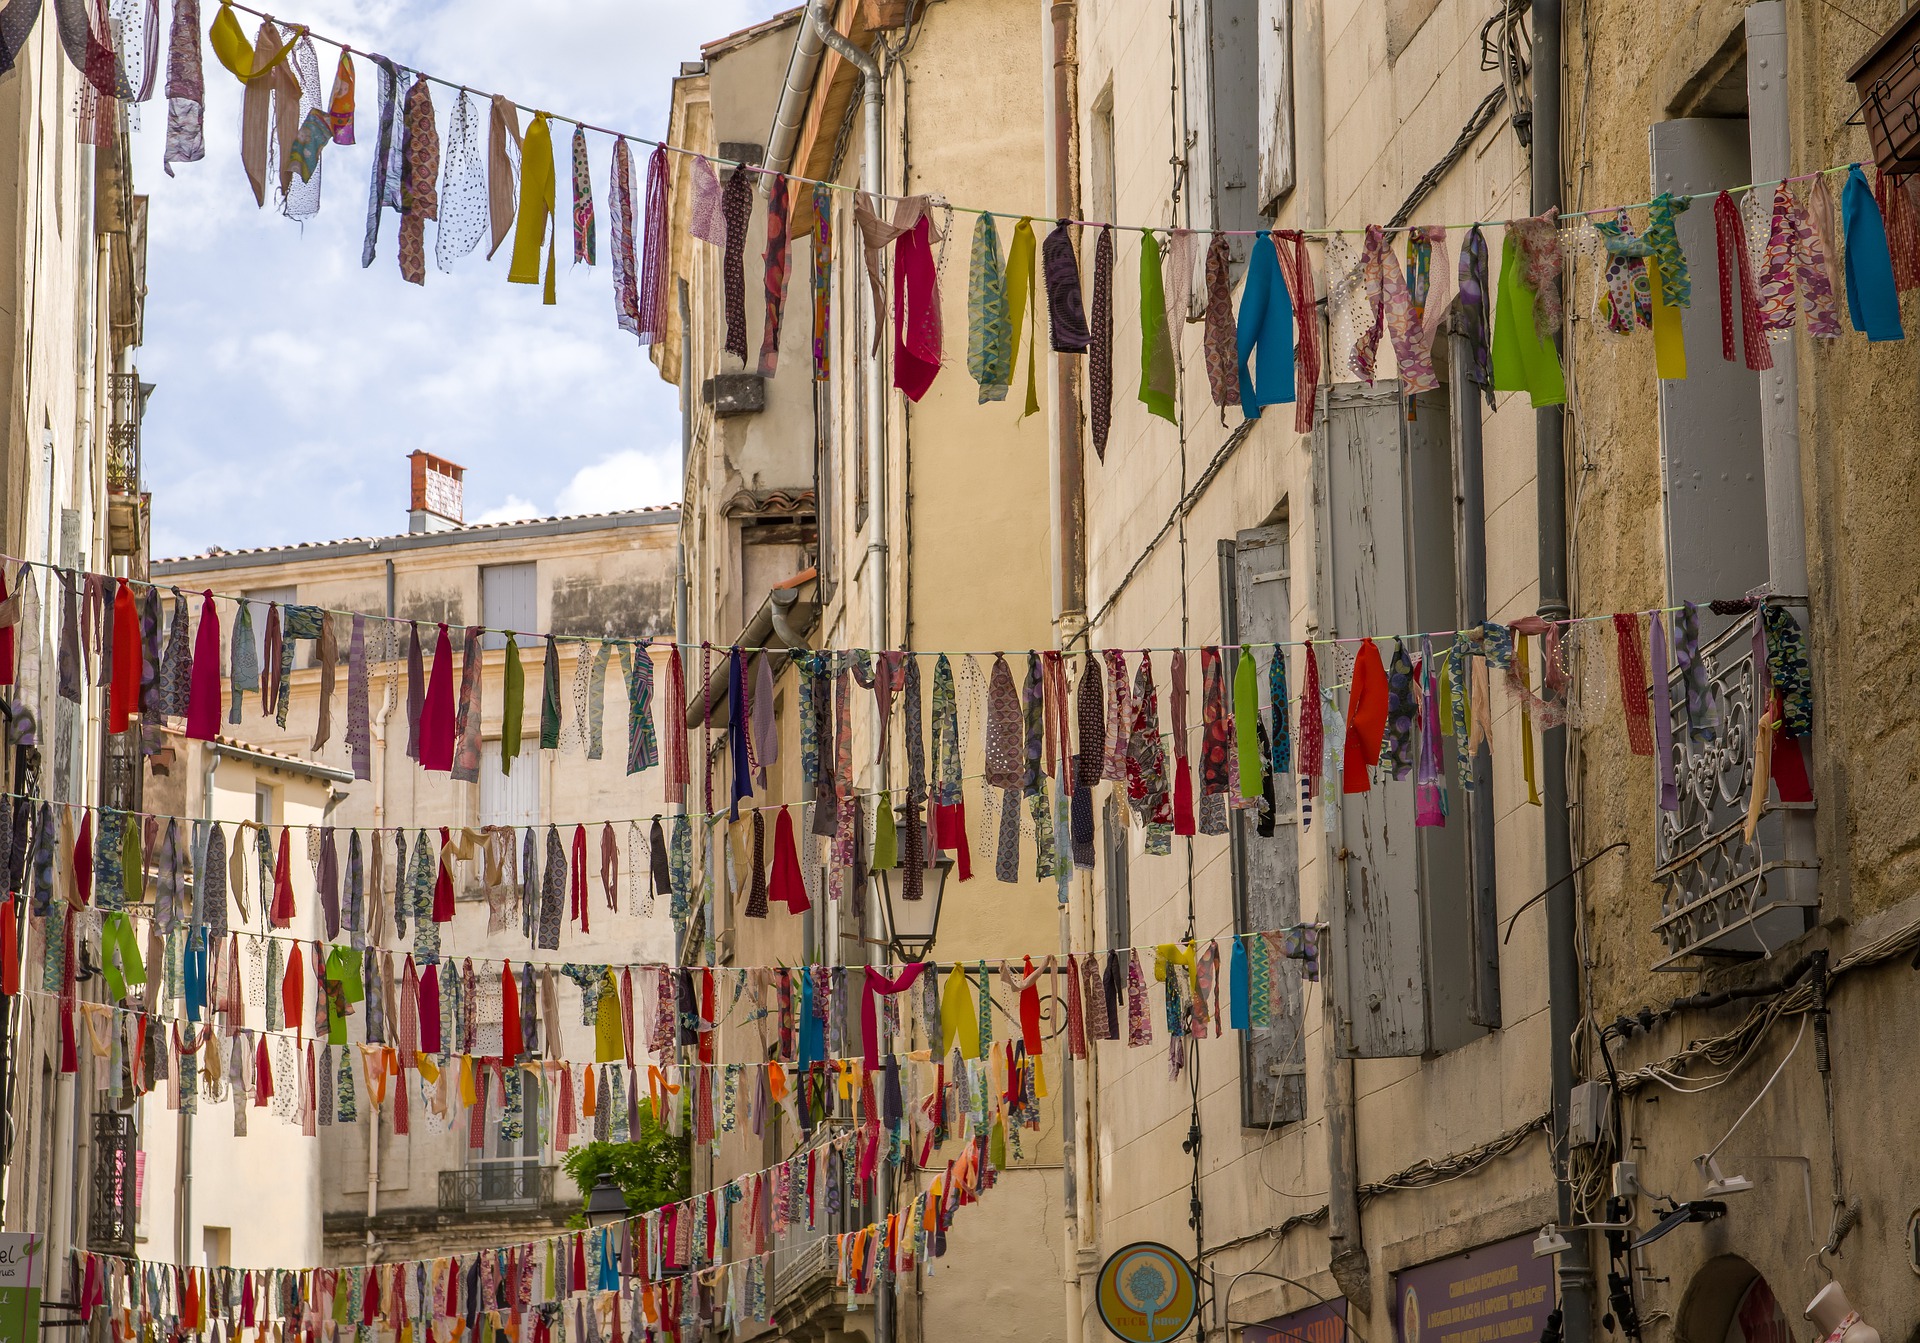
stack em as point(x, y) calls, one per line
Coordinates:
point(1729, 1301)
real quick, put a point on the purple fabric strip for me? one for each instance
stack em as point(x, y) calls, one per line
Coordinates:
point(1662, 714)
point(416, 689)
point(359, 731)
point(1061, 270)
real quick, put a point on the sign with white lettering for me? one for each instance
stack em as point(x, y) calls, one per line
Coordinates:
point(1496, 1294)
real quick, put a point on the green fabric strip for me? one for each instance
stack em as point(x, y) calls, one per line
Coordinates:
point(1522, 360)
point(1156, 348)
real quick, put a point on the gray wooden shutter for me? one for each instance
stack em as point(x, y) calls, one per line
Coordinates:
point(509, 600)
point(1266, 869)
point(1276, 104)
point(1377, 927)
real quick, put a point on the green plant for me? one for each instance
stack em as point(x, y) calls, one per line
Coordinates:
point(653, 1170)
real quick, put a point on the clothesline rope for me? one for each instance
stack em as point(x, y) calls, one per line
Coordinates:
point(848, 188)
point(651, 641)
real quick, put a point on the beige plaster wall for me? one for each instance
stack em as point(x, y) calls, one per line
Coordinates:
point(1388, 119)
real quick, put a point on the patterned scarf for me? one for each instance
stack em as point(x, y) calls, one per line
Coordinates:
point(1060, 268)
point(1100, 360)
point(626, 277)
point(1795, 260)
point(822, 282)
point(777, 262)
point(1219, 341)
point(1731, 240)
point(989, 327)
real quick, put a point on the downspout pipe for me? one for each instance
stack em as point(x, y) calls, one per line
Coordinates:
point(1069, 598)
point(1574, 1267)
point(880, 501)
point(802, 63)
point(872, 182)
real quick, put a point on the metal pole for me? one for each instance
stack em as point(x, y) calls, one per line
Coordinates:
point(1574, 1267)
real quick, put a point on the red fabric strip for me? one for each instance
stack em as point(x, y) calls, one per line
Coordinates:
point(437, 714)
point(123, 698)
point(1730, 238)
point(1633, 683)
point(203, 686)
point(787, 886)
point(1366, 718)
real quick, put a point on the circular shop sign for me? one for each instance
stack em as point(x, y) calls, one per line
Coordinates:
point(1146, 1293)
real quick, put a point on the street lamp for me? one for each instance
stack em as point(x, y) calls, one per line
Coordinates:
point(912, 924)
point(605, 1203)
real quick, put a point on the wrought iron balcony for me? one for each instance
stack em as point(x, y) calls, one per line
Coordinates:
point(111, 1207)
point(498, 1185)
point(1726, 897)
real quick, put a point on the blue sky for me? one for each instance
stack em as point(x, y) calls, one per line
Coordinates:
point(292, 383)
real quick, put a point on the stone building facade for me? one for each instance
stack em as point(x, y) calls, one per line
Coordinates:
point(385, 1195)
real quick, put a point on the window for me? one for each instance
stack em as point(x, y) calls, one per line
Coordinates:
point(509, 799)
point(217, 1245)
point(508, 1169)
point(1256, 608)
point(1103, 187)
point(1275, 105)
point(263, 804)
point(1221, 86)
point(1412, 929)
point(508, 601)
point(1113, 847)
point(258, 600)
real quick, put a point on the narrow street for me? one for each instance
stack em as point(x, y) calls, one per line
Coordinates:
point(897, 671)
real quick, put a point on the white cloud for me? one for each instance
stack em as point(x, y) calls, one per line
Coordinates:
point(630, 479)
point(515, 509)
point(292, 383)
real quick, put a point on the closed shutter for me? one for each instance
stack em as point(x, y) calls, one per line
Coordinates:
point(509, 600)
point(1266, 868)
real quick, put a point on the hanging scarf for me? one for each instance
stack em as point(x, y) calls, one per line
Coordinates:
point(1296, 269)
point(1476, 315)
point(186, 87)
point(775, 264)
point(1217, 335)
point(419, 197)
point(916, 310)
point(1873, 303)
point(585, 239)
point(1061, 268)
point(1023, 310)
point(1265, 334)
point(1795, 261)
point(383, 184)
point(1100, 344)
point(1156, 345)
point(1523, 355)
point(1731, 239)
point(822, 281)
point(534, 223)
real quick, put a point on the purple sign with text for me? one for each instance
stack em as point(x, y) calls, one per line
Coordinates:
point(1496, 1294)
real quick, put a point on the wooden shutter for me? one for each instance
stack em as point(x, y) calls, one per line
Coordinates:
point(1266, 868)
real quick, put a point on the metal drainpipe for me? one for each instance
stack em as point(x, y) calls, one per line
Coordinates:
point(1574, 1267)
point(1070, 563)
point(388, 703)
point(873, 183)
point(1069, 592)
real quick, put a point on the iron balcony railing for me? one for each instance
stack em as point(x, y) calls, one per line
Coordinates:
point(498, 1185)
point(123, 433)
point(1726, 897)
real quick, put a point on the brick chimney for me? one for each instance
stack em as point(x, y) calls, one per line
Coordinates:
point(438, 493)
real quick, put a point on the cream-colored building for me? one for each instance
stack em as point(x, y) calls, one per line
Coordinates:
point(72, 298)
point(204, 1176)
point(1425, 1036)
point(386, 1195)
point(830, 512)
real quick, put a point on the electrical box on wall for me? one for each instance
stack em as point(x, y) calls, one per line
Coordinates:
point(1586, 1114)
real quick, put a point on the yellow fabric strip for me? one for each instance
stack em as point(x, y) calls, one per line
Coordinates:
point(530, 230)
point(1022, 305)
point(1526, 722)
point(230, 45)
point(958, 1016)
point(1669, 348)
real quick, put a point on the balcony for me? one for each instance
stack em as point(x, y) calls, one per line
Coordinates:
point(502, 1186)
point(1727, 899)
point(126, 504)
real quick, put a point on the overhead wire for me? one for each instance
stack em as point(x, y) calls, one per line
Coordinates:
point(761, 169)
